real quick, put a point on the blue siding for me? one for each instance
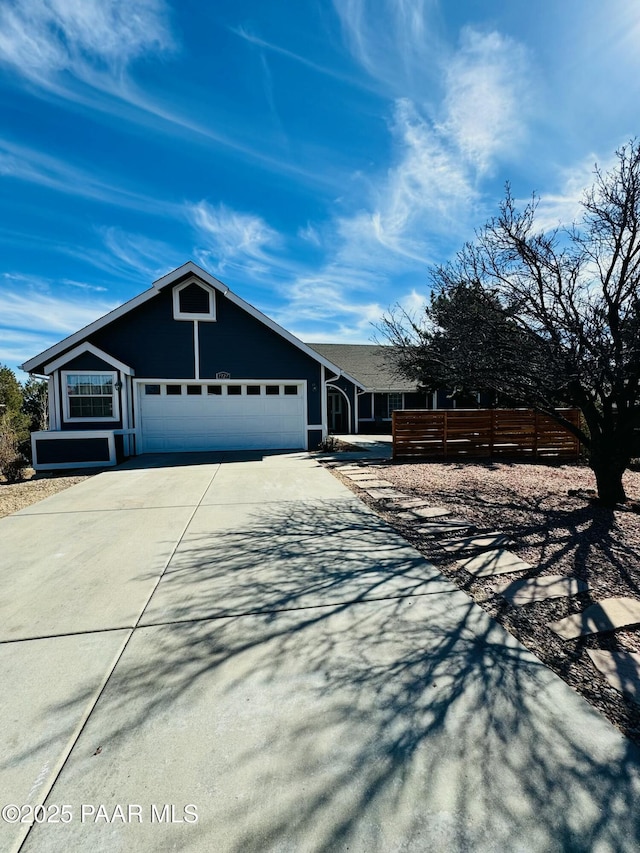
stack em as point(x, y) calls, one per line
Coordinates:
point(150, 341)
point(55, 451)
point(87, 361)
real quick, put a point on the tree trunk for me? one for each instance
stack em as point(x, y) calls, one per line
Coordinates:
point(609, 459)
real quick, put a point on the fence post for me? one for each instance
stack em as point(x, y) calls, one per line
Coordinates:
point(444, 435)
point(492, 431)
point(393, 434)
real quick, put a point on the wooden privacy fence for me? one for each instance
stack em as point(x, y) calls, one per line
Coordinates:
point(455, 433)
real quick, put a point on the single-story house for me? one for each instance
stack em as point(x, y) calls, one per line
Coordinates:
point(188, 365)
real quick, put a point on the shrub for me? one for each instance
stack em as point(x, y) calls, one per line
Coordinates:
point(12, 461)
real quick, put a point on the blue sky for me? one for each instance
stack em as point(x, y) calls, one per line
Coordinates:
point(316, 156)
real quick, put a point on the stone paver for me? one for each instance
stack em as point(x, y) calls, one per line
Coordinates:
point(494, 562)
point(621, 670)
point(482, 542)
point(383, 494)
point(424, 512)
point(605, 615)
point(442, 527)
point(409, 503)
point(525, 591)
point(375, 483)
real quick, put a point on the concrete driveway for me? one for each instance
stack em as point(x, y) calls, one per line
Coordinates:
point(234, 654)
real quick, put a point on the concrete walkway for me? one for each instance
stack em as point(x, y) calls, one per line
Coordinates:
point(241, 640)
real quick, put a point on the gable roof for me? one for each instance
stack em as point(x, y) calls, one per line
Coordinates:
point(38, 362)
point(370, 364)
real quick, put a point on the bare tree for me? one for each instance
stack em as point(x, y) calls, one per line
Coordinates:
point(545, 318)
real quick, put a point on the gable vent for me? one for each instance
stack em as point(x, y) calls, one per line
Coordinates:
point(194, 299)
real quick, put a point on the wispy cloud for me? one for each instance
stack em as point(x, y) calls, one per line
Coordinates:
point(487, 97)
point(22, 163)
point(233, 239)
point(84, 52)
point(31, 302)
point(92, 40)
point(129, 254)
point(561, 206)
point(397, 42)
point(251, 38)
point(16, 346)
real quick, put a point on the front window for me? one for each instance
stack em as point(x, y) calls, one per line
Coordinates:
point(394, 401)
point(91, 396)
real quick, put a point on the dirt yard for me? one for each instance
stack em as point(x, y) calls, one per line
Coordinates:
point(556, 534)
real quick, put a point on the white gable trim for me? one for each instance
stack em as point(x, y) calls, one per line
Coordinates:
point(88, 347)
point(160, 284)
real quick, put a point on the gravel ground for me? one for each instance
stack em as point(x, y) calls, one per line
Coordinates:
point(556, 534)
point(35, 487)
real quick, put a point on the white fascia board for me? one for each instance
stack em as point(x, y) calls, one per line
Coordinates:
point(78, 336)
point(189, 269)
point(88, 347)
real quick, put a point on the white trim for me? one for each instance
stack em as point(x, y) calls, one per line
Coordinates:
point(355, 420)
point(88, 347)
point(323, 401)
point(208, 316)
point(115, 397)
point(314, 426)
point(71, 434)
point(54, 402)
point(196, 350)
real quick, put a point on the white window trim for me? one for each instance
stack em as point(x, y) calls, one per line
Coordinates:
point(209, 316)
point(114, 396)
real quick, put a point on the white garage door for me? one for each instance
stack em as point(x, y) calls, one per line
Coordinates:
point(221, 416)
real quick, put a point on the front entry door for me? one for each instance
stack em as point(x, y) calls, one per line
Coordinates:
point(336, 408)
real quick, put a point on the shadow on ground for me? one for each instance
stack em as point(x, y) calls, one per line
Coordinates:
point(333, 720)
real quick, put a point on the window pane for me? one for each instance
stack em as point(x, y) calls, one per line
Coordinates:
point(234, 389)
point(194, 390)
point(214, 389)
point(91, 407)
point(151, 389)
point(253, 390)
point(290, 389)
point(174, 389)
point(273, 389)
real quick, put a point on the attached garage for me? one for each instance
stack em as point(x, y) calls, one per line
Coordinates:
point(184, 416)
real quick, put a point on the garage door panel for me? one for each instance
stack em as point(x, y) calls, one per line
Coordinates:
point(186, 422)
